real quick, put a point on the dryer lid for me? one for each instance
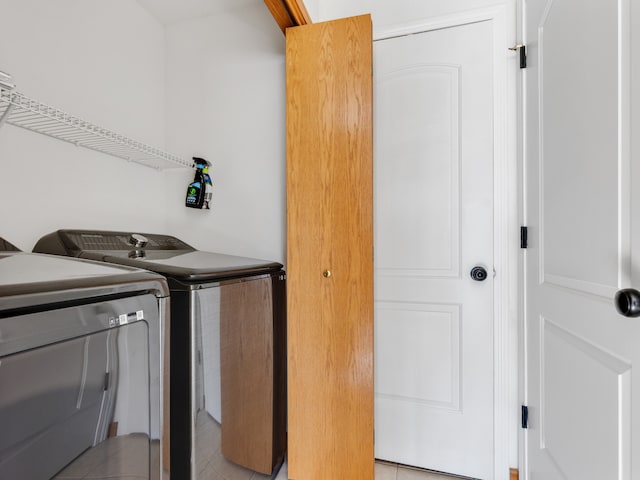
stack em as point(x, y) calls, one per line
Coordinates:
point(28, 280)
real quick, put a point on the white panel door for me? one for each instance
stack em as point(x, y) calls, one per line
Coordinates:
point(433, 224)
point(583, 359)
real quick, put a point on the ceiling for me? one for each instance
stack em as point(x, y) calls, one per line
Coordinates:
point(171, 11)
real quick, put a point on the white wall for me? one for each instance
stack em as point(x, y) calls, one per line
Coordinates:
point(221, 96)
point(99, 60)
point(226, 102)
point(386, 13)
point(313, 7)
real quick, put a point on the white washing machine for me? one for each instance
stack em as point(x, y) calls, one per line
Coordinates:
point(81, 369)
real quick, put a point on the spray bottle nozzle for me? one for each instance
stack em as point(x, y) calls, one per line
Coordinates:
point(200, 163)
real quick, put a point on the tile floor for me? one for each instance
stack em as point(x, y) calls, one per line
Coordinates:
point(391, 471)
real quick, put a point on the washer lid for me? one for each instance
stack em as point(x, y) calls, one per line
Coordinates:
point(188, 266)
point(159, 253)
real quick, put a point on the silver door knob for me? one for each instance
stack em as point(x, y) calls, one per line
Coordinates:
point(627, 302)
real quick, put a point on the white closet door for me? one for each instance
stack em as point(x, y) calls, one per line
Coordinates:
point(433, 225)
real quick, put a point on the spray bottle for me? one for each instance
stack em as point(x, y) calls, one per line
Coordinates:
point(196, 189)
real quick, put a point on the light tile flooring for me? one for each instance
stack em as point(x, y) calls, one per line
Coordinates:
point(391, 471)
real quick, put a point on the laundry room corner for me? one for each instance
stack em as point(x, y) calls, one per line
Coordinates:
point(225, 103)
point(99, 61)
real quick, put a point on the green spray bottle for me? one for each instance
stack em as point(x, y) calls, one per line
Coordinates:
point(196, 189)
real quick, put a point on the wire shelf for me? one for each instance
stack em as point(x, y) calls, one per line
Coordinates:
point(21, 111)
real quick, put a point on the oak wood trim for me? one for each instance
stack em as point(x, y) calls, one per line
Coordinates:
point(280, 14)
point(298, 12)
point(513, 474)
point(288, 13)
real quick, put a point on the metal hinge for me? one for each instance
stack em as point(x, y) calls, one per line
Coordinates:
point(522, 49)
point(524, 237)
point(525, 416)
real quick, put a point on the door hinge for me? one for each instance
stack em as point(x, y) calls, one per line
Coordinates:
point(525, 416)
point(524, 237)
point(107, 383)
point(522, 50)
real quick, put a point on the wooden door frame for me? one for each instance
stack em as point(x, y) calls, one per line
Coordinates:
point(288, 13)
point(506, 224)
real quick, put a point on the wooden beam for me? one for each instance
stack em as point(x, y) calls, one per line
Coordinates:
point(280, 14)
point(288, 13)
point(298, 12)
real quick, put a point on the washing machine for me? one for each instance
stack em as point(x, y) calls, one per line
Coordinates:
point(81, 369)
point(228, 349)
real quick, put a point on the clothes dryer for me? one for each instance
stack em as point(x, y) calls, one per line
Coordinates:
point(81, 363)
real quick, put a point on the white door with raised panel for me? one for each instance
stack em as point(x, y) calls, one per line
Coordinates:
point(433, 224)
point(583, 358)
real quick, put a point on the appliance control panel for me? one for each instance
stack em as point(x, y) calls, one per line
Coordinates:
point(125, 241)
point(76, 241)
point(5, 246)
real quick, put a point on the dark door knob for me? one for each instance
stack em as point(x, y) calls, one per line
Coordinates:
point(479, 274)
point(628, 302)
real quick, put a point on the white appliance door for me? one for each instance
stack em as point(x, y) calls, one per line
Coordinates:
point(433, 225)
point(582, 357)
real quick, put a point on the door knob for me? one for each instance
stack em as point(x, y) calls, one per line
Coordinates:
point(628, 302)
point(478, 273)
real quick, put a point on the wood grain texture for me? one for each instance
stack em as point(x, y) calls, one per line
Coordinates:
point(329, 227)
point(288, 13)
point(246, 373)
point(298, 12)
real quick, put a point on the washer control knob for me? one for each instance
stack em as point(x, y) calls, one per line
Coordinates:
point(138, 241)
